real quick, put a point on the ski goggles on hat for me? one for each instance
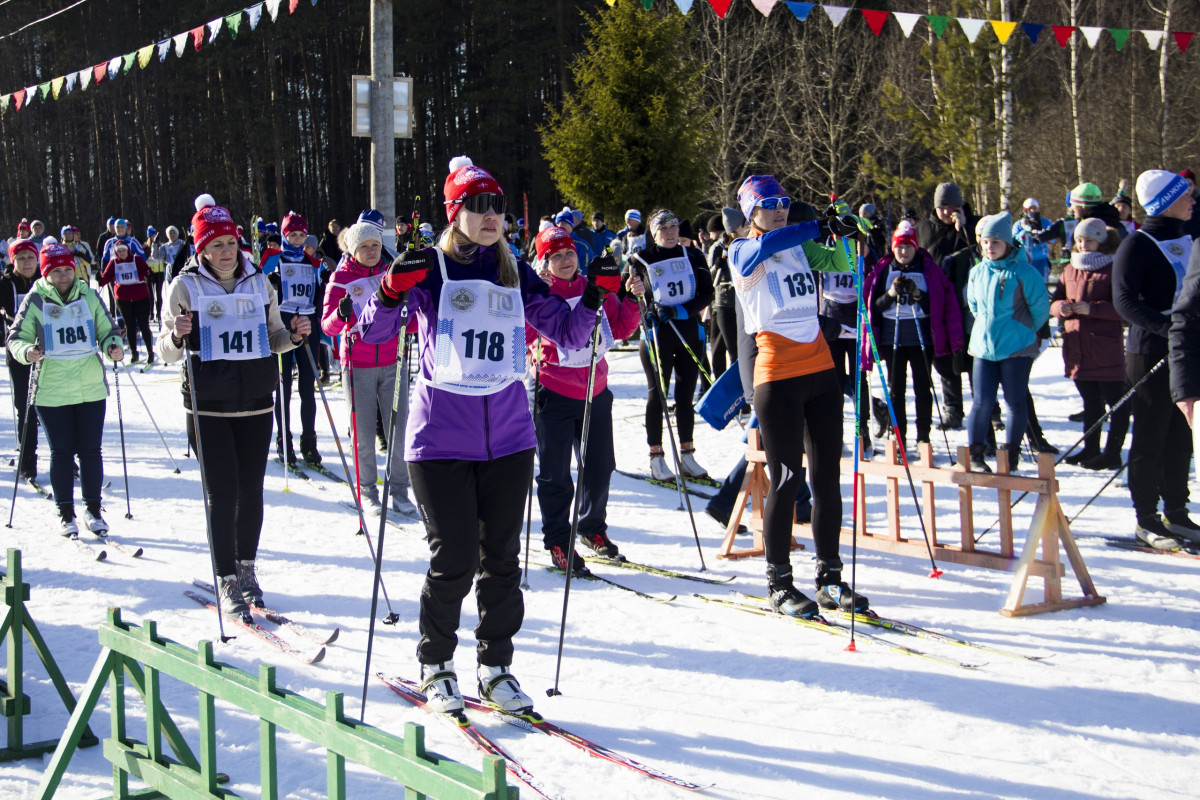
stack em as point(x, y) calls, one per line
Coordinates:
point(480, 203)
point(772, 203)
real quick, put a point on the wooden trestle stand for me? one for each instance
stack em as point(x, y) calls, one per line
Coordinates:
point(1047, 530)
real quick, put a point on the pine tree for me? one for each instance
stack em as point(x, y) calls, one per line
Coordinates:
point(629, 134)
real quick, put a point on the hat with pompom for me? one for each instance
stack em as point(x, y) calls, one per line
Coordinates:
point(293, 222)
point(54, 255)
point(19, 245)
point(1158, 189)
point(211, 221)
point(466, 179)
point(551, 240)
point(23, 225)
point(905, 234)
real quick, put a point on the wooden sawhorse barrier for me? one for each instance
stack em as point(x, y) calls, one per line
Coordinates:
point(1047, 530)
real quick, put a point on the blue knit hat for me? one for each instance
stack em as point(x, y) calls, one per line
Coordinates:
point(997, 226)
point(1157, 189)
point(755, 189)
point(371, 217)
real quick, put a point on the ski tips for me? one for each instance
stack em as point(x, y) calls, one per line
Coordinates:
point(936, 573)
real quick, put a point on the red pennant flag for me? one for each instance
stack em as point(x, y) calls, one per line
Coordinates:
point(100, 72)
point(197, 35)
point(292, 6)
point(875, 20)
point(721, 7)
point(19, 98)
point(1063, 33)
point(1183, 39)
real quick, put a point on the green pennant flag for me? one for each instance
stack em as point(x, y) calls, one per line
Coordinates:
point(4, 100)
point(233, 22)
point(1119, 36)
point(937, 23)
point(43, 91)
point(647, 3)
point(127, 62)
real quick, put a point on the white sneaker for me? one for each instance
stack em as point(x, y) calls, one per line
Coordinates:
point(440, 684)
point(95, 523)
point(498, 687)
point(401, 505)
point(658, 469)
point(68, 527)
point(687, 463)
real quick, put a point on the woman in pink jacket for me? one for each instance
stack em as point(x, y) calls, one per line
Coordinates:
point(368, 370)
point(563, 378)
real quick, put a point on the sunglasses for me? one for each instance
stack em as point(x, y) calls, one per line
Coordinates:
point(480, 203)
point(772, 203)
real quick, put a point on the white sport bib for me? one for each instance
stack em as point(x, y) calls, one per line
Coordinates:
point(838, 287)
point(905, 306)
point(785, 300)
point(68, 331)
point(360, 292)
point(672, 281)
point(479, 346)
point(233, 327)
point(297, 287)
point(1177, 252)
point(582, 358)
point(126, 273)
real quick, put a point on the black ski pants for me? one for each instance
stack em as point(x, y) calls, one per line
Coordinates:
point(900, 361)
point(473, 513)
point(1161, 447)
point(308, 382)
point(235, 453)
point(136, 314)
point(1096, 395)
point(724, 339)
point(673, 358)
point(559, 434)
point(797, 416)
point(18, 375)
point(75, 430)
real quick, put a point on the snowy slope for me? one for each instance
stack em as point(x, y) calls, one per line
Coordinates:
point(757, 706)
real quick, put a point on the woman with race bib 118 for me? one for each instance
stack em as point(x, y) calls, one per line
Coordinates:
point(224, 313)
point(470, 440)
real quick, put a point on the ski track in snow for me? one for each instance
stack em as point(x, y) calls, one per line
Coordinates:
point(756, 706)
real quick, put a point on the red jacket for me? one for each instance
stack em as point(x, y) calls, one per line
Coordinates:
point(1093, 344)
point(623, 317)
point(130, 291)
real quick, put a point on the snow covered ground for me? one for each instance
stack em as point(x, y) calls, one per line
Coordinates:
point(759, 707)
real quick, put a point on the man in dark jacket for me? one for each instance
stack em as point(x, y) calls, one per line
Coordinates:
point(1148, 272)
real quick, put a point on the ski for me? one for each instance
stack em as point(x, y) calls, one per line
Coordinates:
point(132, 551)
point(623, 563)
point(37, 487)
point(668, 484)
point(373, 518)
point(96, 554)
point(271, 615)
point(1184, 551)
point(591, 576)
point(896, 626)
point(306, 657)
point(293, 469)
point(476, 737)
point(533, 721)
point(821, 624)
point(324, 471)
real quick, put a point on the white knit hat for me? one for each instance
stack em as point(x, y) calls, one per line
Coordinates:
point(1157, 189)
point(361, 232)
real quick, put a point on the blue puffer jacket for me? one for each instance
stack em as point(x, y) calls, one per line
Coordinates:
point(1010, 303)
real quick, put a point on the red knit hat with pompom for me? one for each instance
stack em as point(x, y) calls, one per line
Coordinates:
point(466, 179)
point(293, 222)
point(905, 234)
point(551, 240)
point(55, 255)
point(211, 221)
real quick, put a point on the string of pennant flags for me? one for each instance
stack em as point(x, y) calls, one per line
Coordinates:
point(200, 36)
point(970, 27)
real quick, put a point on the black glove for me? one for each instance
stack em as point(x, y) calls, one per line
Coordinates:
point(345, 308)
point(604, 275)
point(657, 316)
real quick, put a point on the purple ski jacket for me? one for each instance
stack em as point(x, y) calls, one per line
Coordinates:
point(442, 424)
point(944, 313)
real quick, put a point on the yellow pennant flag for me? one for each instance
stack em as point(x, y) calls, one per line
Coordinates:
point(1003, 29)
point(143, 55)
point(56, 86)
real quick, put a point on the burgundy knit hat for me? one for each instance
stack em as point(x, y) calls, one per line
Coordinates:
point(55, 255)
point(211, 221)
point(293, 222)
point(551, 240)
point(466, 179)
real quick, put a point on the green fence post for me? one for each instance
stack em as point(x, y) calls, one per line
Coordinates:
point(269, 771)
point(208, 726)
point(116, 686)
point(335, 763)
point(414, 748)
point(16, 592)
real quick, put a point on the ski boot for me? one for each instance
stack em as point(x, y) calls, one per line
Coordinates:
point(1181, 526)
point(832, 593)
point(658, 466)
point(439, 682)
point(558, 553)
point(783, 595)
point(285, 454)
point(687, 462)
point(1152, 533)
point(232, 603)
point(308, 448)
point(248, 583)
point(499, 689)
point(66, 520)
point(600, 544)
point(978, 464)
point(91, 517)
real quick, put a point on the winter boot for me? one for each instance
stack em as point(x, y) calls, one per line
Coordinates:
point(67, 525)
point(832, 593)
point(498, 688)
point(1086, 454)
point(953, 420)
point(308, 448)
point(600, 544)
point(1014, 456)
point(687, 462)
point(230, 596)
point(91, 517)
point(558, 553)
point(248, 582)
point(658, 467)
point(1181, 525)
point(977, 458)
point(1152, 533)
point(783, 595)
point(439, 682)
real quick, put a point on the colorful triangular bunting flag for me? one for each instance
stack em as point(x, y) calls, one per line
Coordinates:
point(70, 85)
point(1153, 39)
point(273, 8)
point(180, 40)
point(764, 6)
point(164, 47)
point(721, 7)
point(19, 98)
point(293, 3)
point(937, 23)
point(1120, 36)
point(114, 66)
point(214, 27)
point(971, 27)
point(43, 90)
point(800, 10)
point(907, 21)
point(197, 34)
point(127, 62)
point(1183, 39)
point(56, 86)
point(1032, 30)
point(4, 99)
point(875, 19)
point(233, 22)
point(143, 55)
point(85, 79)
point(1062, 33)
point(1003, 30)
point(836, 13)
point(1091, 35)
point(254, 14)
